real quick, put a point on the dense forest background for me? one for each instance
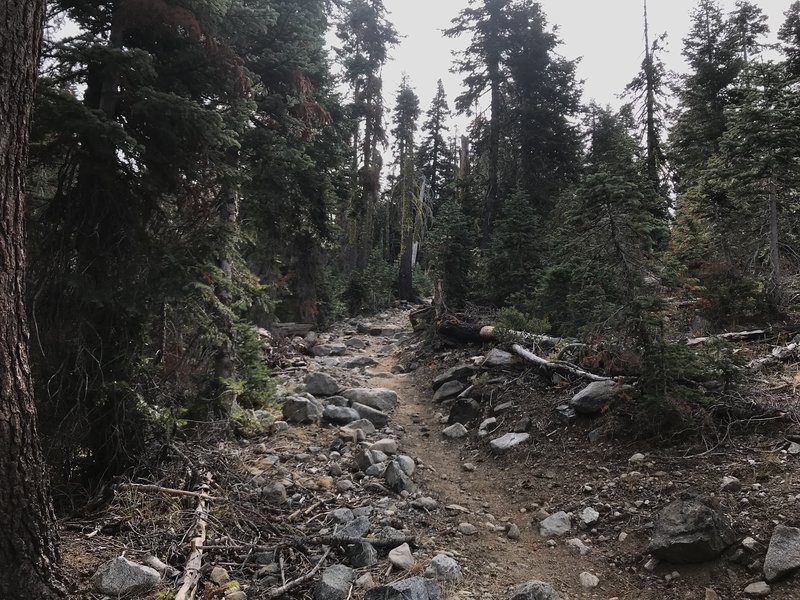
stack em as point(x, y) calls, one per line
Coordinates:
point(203, 168)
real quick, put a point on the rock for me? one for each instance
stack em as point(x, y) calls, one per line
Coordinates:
point(302, 410)
point(415, 588)
point(341, 516)
point(386, 445)
point(759, 589)
point(366, 457)
point(467, 529)
point(711, 595)
point(579, 546)
point(594, 397)
point(565, 414)
point(356, 343)
point(362, 555)
point(122, 577)
point(459, 372)
point(637, 458)
point(444, 568)
point(333, 349)
point(457, 430)
point(321, 384)
point(651, 565)
point(360, 362)
point(512, 531)
point(783, 554)
point(557, 524)
point(382, 399)
point(451, 389)
point(534, 590)
point(357, 528)
point(334, 583)
point(219, 575)
point(588, 580)
point(425, 503)
point(341, 415)
point(508, 441)
point(406, 463)
point(396, 478)
point(794, 448)
point(589, 516)
point(377, 417)
point(364, 425)
point(274, 492)
point(499, 358)
point(468, 466)
point(365, 582)
point(464, 411)
point(352, 435)
point(730, 484)
point(377, 470)
point(401, 557)
point(750, 544)
point(279, 426)
point(691, 529)
point(236, 595)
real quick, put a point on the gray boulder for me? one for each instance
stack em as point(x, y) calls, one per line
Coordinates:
point(357, 528)
point(415, 588)
point(396, 478)
point(297, 409)
point(366, 457)
point(459, 372)
point(377, 417)
point(321, 384)
point(534, 590)
point(555, 525)
point(364, 425)
point(406, 463)
point(444, 568)
point(465, 411)
point(341, 415)
point(508, 441)
point(335, 583)
point(357, 343)
point(362, 555)
point(692, 529)
point(122, 577)
point(359, 362)
point(594, 397)
point(332, 349)
point(382, 399)
point(783, 555)
point(454, 431)
point(341, 516)
point(451, 389)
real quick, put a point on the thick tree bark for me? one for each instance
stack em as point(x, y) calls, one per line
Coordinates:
point(29, 558)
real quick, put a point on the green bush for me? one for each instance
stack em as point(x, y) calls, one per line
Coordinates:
point(373, 288)
point(423, 285)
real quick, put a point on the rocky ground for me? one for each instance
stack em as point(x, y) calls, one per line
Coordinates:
point(398, 473)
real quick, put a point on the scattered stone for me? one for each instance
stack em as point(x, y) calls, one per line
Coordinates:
point(468, 466)
point(122, 577)
point(794, 448)
point(345, 485)
point(302, 410)
point(377, 417)
point(578, 545)
point(352, 435)
point(396, 478)
point(622, 536)
point(462, 371)
point(508, 441)
point(377, 470)
point(401, 557)
point(499, 358)
point(415, 588)
point(341, 516)
point(502, 407)
point(651, 565)
point(730, 484)
point(566, 414)
point(521, 426)
point(406, 463)
point(534, 590)
point(588, 580)
point(274, 492)
point(457, 430)
point(691, 529)
point(356, 343)
point(381, 399)
point(759, 589)
point(360, 362)
point(335, 583)
point(366, 457)
point(236, 595)
point(425, 503)
point(340, 415)
point(333, 349)
point(219, 575)
point(362, 555)
point(557, 524)
point(451, 389)
point(486, 423)
point(386, 445)
point(465, 411)
point(592, 399)
point(365, 582)
point(357, 528)
point(321, 384)
point(279, 426)
point(637, 458)
point(711, 595)
point(750, 544)
point(467, 529)
point(589, 516)
point(512, 531)
point(444, 568)
point(364, 425)
point(783, 554)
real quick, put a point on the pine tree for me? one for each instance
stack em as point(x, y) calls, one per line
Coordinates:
point(789, 35)
point(451, 249)
point(435, 158)
point(748, 27)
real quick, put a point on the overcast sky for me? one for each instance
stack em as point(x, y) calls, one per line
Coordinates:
point(606, 34)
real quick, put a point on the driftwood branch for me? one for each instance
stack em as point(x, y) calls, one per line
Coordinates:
point(191, 575)
point(557, 366)
point(145, 487)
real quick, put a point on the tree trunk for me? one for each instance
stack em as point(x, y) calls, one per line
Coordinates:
point(490, 209)
point(29, 558)
point(776, 279)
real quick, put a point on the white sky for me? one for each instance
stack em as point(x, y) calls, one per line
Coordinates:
point(607, 34)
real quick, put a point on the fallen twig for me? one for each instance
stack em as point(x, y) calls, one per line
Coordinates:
point(191, 575)
point(319, 540)
point(280, 591)
point(146, 487)
point(558, 365)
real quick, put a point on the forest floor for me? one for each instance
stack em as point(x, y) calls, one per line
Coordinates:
point(559, 469)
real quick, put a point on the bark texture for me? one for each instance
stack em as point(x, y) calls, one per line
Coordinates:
point(28, 543)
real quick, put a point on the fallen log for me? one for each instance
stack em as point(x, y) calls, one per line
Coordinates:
point(733, 336)
point(777, 356)
point(191, 574)
point(557, 366)
point(290, 330)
